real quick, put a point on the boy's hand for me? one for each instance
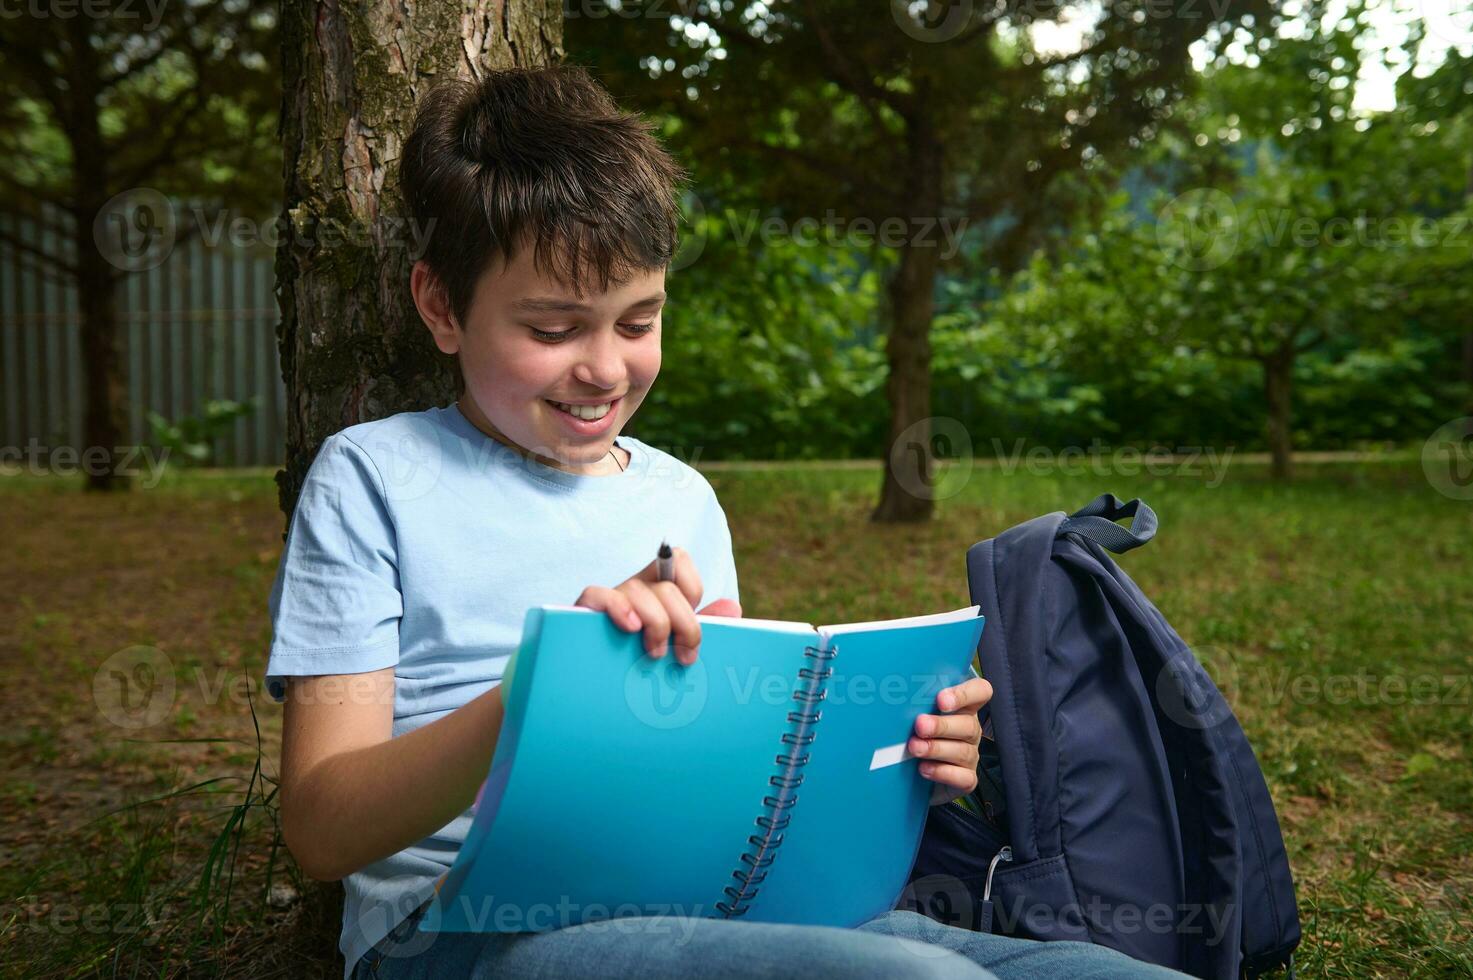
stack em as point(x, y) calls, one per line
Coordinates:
point(660, 608)
point(948, 743)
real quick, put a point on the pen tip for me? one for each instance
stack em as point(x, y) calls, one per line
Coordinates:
point(665, 551)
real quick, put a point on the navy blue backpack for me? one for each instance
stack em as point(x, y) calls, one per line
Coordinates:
point(1118, 800)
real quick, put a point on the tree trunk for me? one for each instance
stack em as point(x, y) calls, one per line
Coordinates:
point(105, 415)
point(1278, 389)
point(906, 490)
point(104, 421)
point(353, 347)
point(1468, 371)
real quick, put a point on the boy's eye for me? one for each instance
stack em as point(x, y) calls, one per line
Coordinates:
point(557, 336)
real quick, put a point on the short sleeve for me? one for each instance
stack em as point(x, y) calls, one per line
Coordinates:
point(335, 605)
point(722, 580)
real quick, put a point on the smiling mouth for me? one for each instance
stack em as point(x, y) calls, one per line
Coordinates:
point(588, 413)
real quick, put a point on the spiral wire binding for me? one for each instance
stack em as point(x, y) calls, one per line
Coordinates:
point(757, 858)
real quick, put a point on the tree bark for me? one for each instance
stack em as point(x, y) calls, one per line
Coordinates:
point(1278, 389)
point(104, 420)
point(908, 473)
point(352, 345)
point(1468, 371)
point(105, 414)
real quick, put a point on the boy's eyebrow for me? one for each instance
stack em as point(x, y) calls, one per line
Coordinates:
point(550, 304)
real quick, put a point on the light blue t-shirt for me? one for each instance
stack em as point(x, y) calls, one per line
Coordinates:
point(420, 543)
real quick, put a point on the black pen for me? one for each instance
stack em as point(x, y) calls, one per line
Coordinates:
point(665, 563)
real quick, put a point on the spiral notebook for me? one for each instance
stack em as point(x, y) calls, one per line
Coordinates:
point(768, 781)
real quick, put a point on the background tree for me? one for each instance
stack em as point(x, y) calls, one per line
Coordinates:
point(1285, 225)
point(917, 112)
point(139, 101)
point(1303, 243)
point(352, 345)
point(1441, 102)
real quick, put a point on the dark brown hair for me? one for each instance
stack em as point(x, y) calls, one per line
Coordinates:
point(539, 156)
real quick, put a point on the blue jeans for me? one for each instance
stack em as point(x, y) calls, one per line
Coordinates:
point(896, 944)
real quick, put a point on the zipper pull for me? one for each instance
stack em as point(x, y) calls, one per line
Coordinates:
point(984, 914)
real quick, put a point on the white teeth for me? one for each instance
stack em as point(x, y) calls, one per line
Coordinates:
point(588, 413)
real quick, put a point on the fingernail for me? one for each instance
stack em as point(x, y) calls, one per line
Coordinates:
point(927, 769)
point(632, 619)
point(918, 746)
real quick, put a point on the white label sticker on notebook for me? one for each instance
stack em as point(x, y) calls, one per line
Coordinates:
point(889, 755)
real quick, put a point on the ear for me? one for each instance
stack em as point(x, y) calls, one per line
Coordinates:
point(433, 303)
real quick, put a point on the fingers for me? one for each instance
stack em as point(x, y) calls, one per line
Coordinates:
point(687, 579)
point(957, 778)
point(617, 604)
point(666, 615)
point(963, 726)
point(661, 609)
point(944, 750)
point(968, 695)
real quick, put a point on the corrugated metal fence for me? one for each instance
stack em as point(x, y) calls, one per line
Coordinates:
point(199, 326)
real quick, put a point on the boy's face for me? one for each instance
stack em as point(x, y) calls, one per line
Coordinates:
point(529, 341)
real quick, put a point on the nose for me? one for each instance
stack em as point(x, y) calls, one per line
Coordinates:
point(600, 362)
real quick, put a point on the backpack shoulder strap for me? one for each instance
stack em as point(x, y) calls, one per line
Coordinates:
point(1011, 652)
point(1095, 521)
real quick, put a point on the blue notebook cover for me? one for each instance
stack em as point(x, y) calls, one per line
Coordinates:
point(767, 781)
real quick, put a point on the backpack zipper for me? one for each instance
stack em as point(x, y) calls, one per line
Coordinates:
point(1006, 854)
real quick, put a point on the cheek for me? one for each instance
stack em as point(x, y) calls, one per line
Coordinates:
point(646, 364)
point(508, 372)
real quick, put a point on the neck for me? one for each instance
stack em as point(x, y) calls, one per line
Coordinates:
point(611, 463)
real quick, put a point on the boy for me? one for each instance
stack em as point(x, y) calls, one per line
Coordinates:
point(419, 542)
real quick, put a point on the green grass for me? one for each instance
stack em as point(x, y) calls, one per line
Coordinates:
point(1319, 606)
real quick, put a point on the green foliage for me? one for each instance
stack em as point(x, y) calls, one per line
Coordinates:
point(191, 439)
point(762, 343)
point(1270, 216)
